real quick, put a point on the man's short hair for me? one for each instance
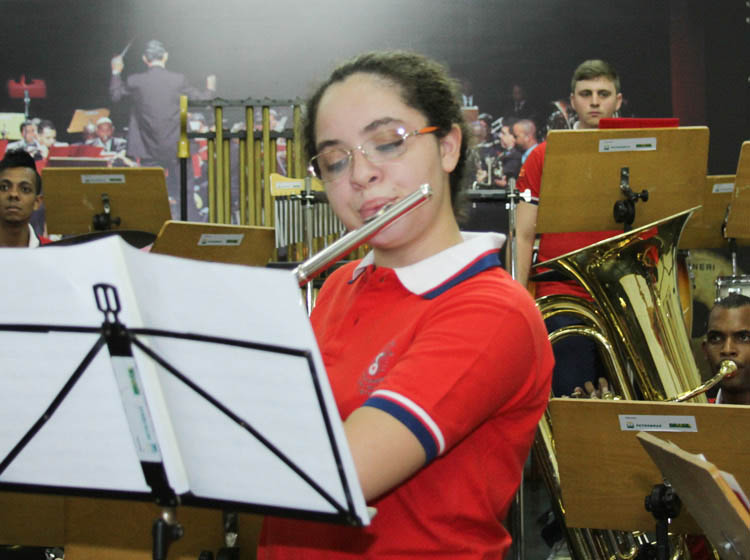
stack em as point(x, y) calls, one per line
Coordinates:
point(46, 124)
point(26, 123)
point(733, 301)
point(592, 69)
point(527, 125)
point(21, 158)
point(154, 50)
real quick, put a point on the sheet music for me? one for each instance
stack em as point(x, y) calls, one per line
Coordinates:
point(204, 452)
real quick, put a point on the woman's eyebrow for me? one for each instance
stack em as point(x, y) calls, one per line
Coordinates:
point(369, 128)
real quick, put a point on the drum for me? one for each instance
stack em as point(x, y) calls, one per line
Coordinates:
point(726, 285)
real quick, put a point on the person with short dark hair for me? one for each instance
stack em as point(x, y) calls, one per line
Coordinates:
point(46, 136)
point(728, 338)
point(438, 360)
point(524, 133)
point(595, 94)
point(511, 156)
point(29, 141)
point(20, 195)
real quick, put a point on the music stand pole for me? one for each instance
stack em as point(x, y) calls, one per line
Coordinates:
point(183, 189)
point(511, 205)
point(308, 224)
point(183, 154)
point(165, 530)
point(664, 504)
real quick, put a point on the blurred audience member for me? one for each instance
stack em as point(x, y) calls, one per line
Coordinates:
point(29, 141)
point(104, 137)
point(524, 133)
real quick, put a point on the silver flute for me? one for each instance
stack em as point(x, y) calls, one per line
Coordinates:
point(316, 264)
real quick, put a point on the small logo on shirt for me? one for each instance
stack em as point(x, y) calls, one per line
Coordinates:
point(376, 371)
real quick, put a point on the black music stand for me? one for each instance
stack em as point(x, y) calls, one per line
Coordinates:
point(210, 419)
point(82, 200)
point(590, 168)
point(605, 473)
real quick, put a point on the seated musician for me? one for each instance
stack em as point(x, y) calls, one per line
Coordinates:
point(20, 195)
point(595, 94)
point(29, 140)
point(439, 407)
point(728, 338)
point(113, 145)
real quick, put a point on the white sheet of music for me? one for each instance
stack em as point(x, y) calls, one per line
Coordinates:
point(87, 443)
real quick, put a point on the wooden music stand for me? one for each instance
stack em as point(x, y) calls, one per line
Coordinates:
point(582, 171)
point(706, 495)
point(704, 229)
point(74, 197)
point(93, 528)
point(248, 245)
point(605, 473)
point(738, 226)
point(82, 117)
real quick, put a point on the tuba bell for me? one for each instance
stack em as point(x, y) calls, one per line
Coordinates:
point(637, 321)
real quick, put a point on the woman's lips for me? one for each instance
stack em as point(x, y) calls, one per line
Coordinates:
point(371, 208)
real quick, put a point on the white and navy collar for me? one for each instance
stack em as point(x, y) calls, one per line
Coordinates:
point(432, 276)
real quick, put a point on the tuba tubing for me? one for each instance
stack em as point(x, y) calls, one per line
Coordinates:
point(727, 369)
point(636, 318)
point(319, 262)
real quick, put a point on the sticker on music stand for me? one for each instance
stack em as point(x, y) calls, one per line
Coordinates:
point(628, 145)
point(220, 239)
point(657, 423)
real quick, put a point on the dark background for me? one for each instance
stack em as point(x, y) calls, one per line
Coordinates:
point(686, 58)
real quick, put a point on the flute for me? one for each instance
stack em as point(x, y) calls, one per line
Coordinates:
point(319, 262)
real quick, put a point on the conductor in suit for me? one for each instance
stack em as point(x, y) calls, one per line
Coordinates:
point(153, 130)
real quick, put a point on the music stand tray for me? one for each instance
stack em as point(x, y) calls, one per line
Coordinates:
point(707, 496)
point(75, 195)
point(248, 245)
point(738, 226)
point(583, 168)
point(605, 473)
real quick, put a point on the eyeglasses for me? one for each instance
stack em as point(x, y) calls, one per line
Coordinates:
point(334, 163)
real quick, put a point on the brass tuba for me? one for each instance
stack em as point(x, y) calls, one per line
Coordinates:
point(638, 324)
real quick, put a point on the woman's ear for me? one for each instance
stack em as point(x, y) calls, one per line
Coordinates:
point(450, 148)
